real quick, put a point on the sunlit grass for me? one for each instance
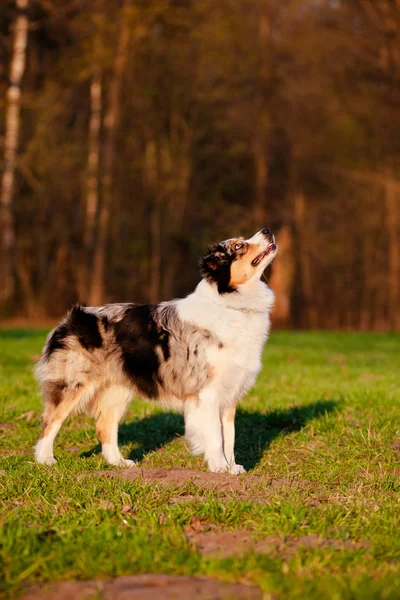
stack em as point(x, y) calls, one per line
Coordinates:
point(324, 415)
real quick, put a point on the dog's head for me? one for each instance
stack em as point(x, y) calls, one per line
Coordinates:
point(236, 261)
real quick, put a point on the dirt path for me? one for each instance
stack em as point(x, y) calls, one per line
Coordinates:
point(144, 587)
point(256, 488)
point(225, 544)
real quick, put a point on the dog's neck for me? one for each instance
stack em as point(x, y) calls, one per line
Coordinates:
point(242, 309)
point(251, 297)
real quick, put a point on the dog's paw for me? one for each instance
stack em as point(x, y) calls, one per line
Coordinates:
point(215, 467)
point(237, 470)
point(122, 463)
point(46, 460)
point(126, 463)
point(114, 457)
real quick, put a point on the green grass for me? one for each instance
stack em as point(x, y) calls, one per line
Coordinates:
point(325, 412)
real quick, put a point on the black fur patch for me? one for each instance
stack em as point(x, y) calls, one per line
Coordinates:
point(85, 327)
point(138, 336)
point(79, 323)
point(104, 322)
point(215, 266)
point(56, 341)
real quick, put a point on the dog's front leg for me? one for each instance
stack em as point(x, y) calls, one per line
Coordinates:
point(228, 432)
point(208, 423)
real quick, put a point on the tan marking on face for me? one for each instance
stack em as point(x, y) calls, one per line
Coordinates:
point(235, 241)
point(242, 269)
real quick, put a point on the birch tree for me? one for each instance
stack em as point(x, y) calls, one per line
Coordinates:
point(12, 133)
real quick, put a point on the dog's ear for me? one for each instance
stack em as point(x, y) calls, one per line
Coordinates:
point(215, 258)
point(215, 267)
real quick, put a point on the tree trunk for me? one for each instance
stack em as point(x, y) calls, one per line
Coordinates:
point(393, 230)
point(178, 148)
point(92, 185)
point(155, 260)
point(282, 277)
point(304, 259)
point(92, 198)
point(151, 176)
point(111, 121)
point(12, 129)
point(261, 133)
point(261, 176)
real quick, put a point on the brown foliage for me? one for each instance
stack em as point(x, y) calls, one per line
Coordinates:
point(150, 129)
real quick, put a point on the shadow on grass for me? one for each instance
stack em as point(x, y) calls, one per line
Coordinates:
point(148, 434)
point(254, 431)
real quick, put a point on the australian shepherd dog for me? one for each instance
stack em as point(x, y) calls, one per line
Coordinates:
point(198, 355)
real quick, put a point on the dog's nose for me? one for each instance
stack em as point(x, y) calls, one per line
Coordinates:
point(266, 231)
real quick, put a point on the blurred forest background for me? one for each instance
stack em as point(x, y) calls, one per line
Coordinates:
point(135, 132)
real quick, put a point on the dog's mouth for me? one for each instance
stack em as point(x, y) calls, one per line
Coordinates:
point(270, 248)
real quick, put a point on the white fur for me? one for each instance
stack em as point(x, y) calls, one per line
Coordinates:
point(44, 447)
point(241, 321)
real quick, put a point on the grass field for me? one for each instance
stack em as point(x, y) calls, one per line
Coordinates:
point(319, 435)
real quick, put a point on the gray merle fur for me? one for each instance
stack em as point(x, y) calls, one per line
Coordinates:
point(152, 351)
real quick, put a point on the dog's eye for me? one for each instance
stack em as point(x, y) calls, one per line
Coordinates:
point(238, 246)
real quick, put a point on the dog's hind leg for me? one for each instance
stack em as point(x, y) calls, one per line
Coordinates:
point(60, 400)
point(108, 408)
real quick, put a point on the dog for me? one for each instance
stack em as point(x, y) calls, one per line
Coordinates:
point(198, 355)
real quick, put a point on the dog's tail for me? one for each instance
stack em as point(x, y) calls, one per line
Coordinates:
point(79, 330)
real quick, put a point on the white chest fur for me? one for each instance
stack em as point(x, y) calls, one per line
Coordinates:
point(241, 322)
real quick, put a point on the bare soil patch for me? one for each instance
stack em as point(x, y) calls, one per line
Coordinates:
point(237, 543)
point(396, 446)
point(4, 427)
point(197, 525)
point(179, 477)
point(188, 499)
point(256, 488)
point(144, 587)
